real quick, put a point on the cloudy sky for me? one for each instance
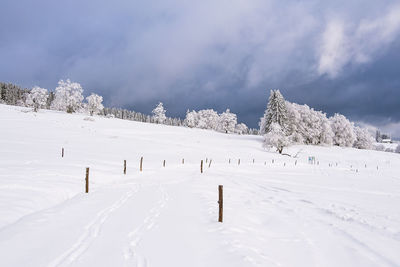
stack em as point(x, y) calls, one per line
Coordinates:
point(335, 56)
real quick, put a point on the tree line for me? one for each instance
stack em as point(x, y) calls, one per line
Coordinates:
point(286, 123)
point(68, 97)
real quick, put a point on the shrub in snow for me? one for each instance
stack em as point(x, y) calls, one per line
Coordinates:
point(88, 119)
point(275, 113)
point(227, 122)
point(37, 98)
point(364, 139)
point(276, 137)
point(68, 96)
point(94, 105)
point(159, 113)
point(343, 130)
point(379, 147)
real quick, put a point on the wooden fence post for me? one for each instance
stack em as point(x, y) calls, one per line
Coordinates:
point(183, 161)
point(164, 163)
point(209, 165)
point(253, 161)
point(124, 166)
point(141, 164)
point(295, 163)
point(238, 161)
point(206, 160)
point(221, 203)
point(87, 180)
point(62, 152)
point(201, 166)
point(229, 161)
point(265, 163)
point(273, 160)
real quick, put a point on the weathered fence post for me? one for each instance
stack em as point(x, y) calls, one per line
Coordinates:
point(87, 180)
point(183, 161)
point(229, 161)
point(265, 163)
point(206, 160)
point(124, 166)
point(238, 161)
point(164, 163)
point(209, 165)
point(253, 161)
point(201, 166)
point(295, 163)
point(141, 163)
point(221, 203)
point(62, 152)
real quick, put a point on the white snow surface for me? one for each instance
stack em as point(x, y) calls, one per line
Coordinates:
point(275, 214)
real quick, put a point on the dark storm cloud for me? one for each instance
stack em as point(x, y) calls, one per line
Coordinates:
point(334, 56)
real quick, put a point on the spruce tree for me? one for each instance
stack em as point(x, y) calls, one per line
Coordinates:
point(275, 113)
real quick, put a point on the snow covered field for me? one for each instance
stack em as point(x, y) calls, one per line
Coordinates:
point(275, 214)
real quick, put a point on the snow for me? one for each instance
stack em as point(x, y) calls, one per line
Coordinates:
point(275, 214)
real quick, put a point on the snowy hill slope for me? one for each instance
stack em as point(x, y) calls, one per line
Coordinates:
point(275, 214)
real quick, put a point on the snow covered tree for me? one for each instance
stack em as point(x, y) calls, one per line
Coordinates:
point(241, 128)
point(68, 96)
point(159, 113)
point(37, 98)
point(191, 119)
point(227, 122)
point(326, 135)
point(397, 150)
point(275, 113)
point(343, 130)
point(364, 139)
point(276, 137)
point(208, 119)
point(94, 105)
point(307, 125)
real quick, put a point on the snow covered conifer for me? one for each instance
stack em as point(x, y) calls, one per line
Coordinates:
point(276, 112)
point(364, 139)
point(37, 98)
point(94, 105)
point(159, 113)
point(276, 138)
point(68, 96)
point(227, 122)
point(343, 130)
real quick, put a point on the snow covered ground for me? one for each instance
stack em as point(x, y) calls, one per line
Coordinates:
point(343, 212)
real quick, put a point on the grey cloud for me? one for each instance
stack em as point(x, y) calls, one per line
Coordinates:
point(210, 54)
